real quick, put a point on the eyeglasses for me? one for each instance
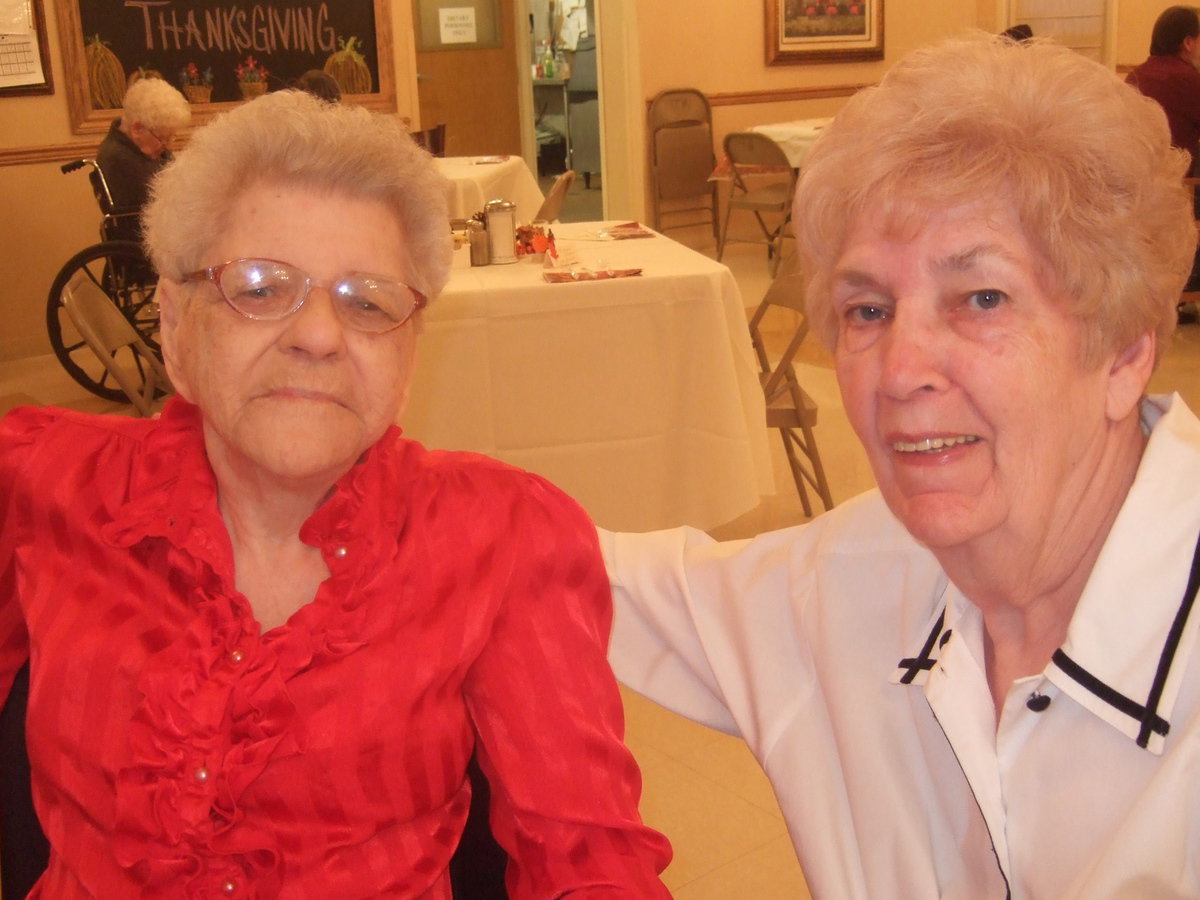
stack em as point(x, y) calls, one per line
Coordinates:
point(163, 141)
point(267, 290)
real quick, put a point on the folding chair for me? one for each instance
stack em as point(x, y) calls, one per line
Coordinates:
point(682, 158)
point(762, 180)
point(128, 359)
point(789, 407)
point(552, 205)
point(432, 139)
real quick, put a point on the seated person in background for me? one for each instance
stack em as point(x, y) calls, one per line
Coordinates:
point(320, 84)
point(983, 678)
point(1171, 75)
point(139, 143)
point(266, 633)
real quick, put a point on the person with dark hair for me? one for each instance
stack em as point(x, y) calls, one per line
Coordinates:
point(320, 84)
point(1018, 33)
point(1171, 74)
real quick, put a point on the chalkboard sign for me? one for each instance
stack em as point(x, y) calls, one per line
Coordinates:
point(207, 48)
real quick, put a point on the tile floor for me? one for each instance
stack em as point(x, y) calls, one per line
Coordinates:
point(702, 788)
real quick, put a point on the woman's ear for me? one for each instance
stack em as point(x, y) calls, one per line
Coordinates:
point(170, 312)
point(1129, 375)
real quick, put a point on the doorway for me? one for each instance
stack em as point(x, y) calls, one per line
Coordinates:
point(485, 97)
point(565, 108)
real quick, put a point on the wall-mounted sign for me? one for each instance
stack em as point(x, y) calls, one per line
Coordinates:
point(24, 64)
point(457, 24)
point(213, 49)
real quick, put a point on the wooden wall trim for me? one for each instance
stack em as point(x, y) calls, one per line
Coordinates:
point(48, 153)
point(784, 95)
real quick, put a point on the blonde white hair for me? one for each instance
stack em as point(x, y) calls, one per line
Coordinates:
point(291, 137)
point(156, 105)
point(1084, 160)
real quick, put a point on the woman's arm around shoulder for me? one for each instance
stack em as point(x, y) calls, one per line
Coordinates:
point(548, 714)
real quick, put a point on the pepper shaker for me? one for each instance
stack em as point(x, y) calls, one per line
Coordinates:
point(477, 237)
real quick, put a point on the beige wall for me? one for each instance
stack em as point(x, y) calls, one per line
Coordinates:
point(714, 45)
point(721, 51)
point(1135, 19)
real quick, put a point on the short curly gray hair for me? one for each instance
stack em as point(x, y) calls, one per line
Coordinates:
point(291, 137)
point(1084, 159)
point(155, 105)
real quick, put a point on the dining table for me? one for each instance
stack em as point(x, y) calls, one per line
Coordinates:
point(474, 180)
point(637, 394)
point(795, 138)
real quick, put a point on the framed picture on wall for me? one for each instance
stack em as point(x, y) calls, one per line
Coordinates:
point(802, 31)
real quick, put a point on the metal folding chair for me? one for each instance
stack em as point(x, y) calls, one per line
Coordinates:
point(762, 181)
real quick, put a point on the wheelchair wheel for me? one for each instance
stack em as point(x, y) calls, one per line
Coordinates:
point(120, 269)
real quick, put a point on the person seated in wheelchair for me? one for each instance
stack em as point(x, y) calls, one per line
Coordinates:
point(137, 146)
point(266, 634)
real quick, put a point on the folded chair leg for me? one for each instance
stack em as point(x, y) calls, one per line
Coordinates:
point(724, 227)
point(822, 485)
point(797, 470)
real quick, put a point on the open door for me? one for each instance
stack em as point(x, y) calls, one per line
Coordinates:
point(473, 91)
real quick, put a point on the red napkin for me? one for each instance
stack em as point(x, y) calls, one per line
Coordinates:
point(629, 230)
point(566, 275)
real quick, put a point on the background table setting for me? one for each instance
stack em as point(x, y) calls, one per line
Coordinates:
point(477, 179)
point(794, 138)
point(630, 383)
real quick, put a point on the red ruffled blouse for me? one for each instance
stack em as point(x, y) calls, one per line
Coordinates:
point(177, 751)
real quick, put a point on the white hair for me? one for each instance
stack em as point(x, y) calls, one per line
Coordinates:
point(155, 105)
point(291, 137)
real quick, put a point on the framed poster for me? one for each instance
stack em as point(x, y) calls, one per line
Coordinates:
point(801, 31)
point(213, 43)
point(24, 62)
point(457, 24)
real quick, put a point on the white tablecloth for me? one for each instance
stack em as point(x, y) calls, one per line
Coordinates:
point(638, 396)
point(478, 179)
point(795, 138)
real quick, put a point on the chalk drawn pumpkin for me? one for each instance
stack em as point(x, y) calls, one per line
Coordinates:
point(106, 76)
point(349, 68)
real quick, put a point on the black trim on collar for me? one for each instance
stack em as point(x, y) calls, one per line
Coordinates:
point(1151, 722)
point(924, 662)
point(1147, 716)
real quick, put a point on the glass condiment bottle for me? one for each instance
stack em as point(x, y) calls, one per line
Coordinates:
point(477, 238)
point(502, 230)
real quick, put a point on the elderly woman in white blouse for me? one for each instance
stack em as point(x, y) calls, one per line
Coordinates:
point(982, 679)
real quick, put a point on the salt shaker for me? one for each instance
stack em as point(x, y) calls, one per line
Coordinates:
point(477, 237)
point(502, 230)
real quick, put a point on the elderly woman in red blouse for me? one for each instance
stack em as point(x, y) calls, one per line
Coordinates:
point(266, 633)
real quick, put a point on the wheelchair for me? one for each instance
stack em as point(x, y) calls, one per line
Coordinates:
point(119, 268)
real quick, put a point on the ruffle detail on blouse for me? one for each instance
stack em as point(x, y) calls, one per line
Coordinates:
point(215, 708)
point(208, 724)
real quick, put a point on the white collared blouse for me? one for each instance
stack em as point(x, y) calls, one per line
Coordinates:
point(854, 670)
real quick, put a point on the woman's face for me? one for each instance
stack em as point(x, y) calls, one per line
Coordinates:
point(302, 397)
point(960, 370)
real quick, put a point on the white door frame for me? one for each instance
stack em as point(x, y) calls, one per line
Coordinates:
point(622, 124)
